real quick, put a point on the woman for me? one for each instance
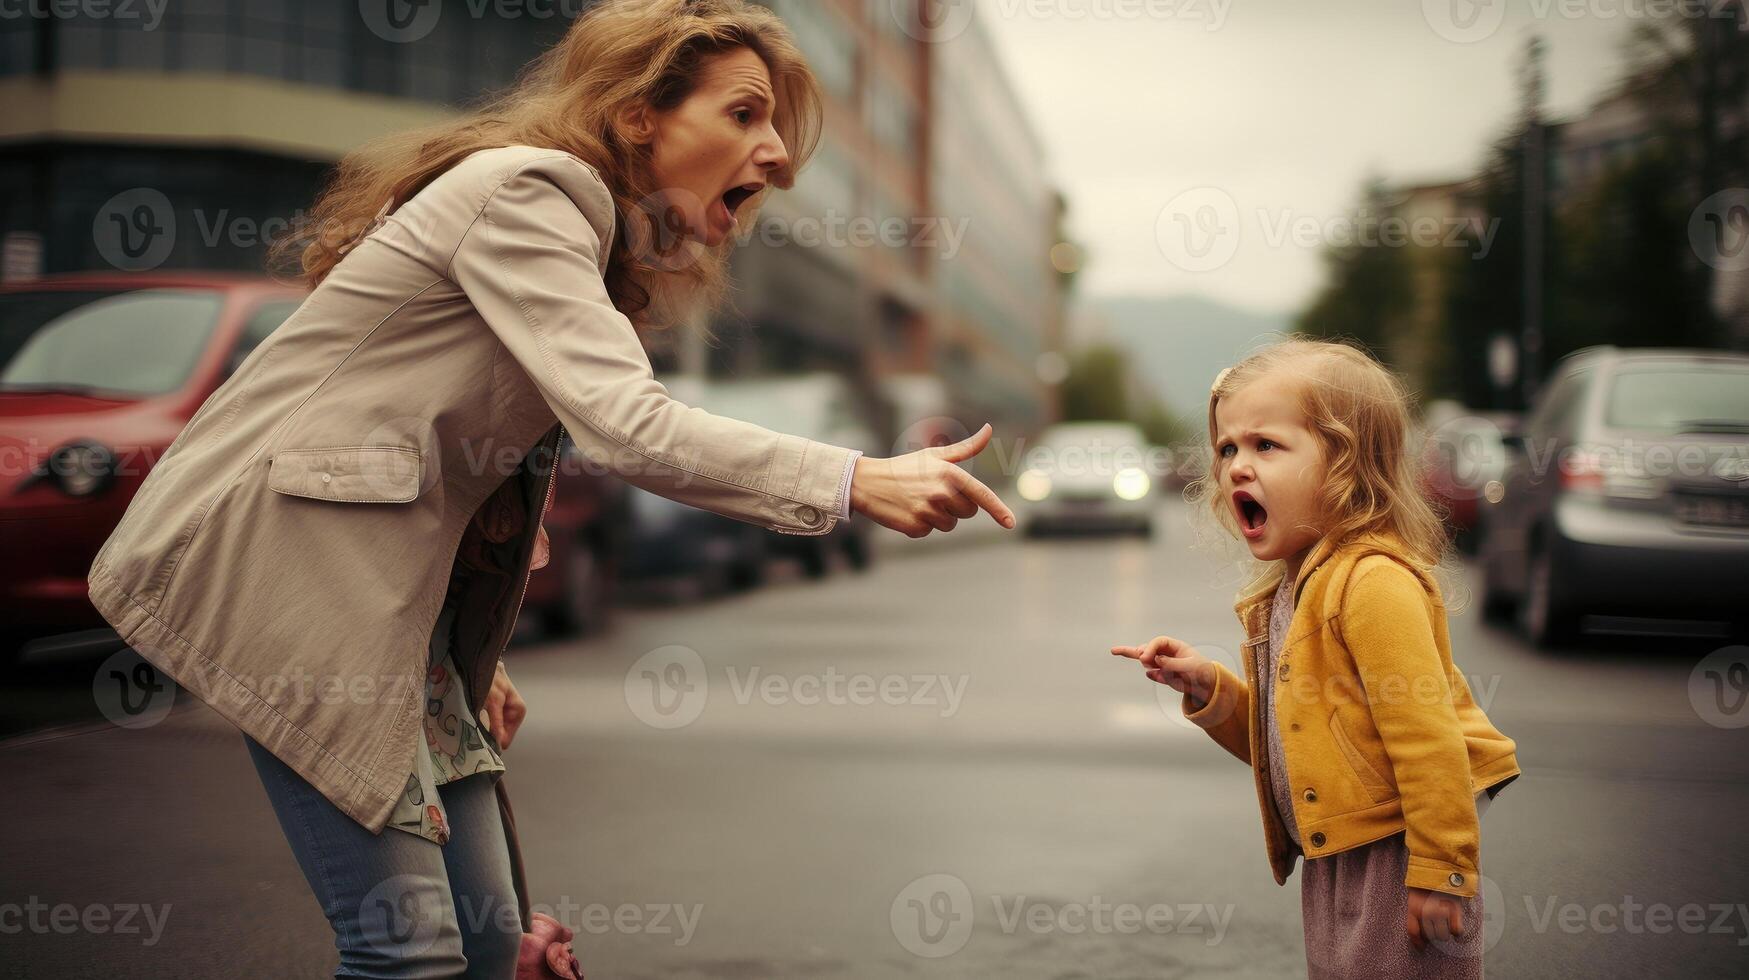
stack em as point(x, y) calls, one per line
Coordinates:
point(333, 552)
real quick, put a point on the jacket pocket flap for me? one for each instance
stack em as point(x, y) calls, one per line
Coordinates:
point(356, 474)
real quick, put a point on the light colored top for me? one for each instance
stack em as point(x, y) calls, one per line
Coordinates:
point(1281, 613)
point(453, 745)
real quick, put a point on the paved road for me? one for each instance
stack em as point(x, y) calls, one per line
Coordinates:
point(933, 769)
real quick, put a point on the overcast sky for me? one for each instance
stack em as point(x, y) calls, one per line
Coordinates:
point(1283, 107)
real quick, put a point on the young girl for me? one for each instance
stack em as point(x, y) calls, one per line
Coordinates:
point(1371, 758)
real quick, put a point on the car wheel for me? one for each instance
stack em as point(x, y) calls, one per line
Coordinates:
point(856, 550)
point(1544, 618)
point(586, 596)
point(815, 560)
point(746, 575)
point(1498, 605)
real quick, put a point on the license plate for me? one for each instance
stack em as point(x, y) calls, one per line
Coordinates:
point(1713, 511)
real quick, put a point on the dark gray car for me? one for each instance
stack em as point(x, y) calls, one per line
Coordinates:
point(1625, 506)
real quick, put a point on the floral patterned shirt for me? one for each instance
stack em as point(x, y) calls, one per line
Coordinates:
point(453, 744)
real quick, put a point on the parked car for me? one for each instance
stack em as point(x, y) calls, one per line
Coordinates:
point(575, 594)
point(670, 541)
point(821, 407)
point(1626, 498)
point(98, 375)
point(1088, 476)
point(1463, 454)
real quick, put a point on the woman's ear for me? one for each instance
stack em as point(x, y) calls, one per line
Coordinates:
point(636, 125)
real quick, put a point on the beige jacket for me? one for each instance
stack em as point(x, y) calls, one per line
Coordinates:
point(286, 560)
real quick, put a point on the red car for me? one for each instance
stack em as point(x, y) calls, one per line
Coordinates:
point(98, 375)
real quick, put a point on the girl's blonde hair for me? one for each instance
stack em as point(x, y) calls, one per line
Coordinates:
point(618, 55)
point(1361, 415)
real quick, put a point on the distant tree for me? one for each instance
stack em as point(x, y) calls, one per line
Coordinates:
point(1694, 74)
point(1368, 293)
point(1631, 276)
point(1162, 427)
point(1097, 388)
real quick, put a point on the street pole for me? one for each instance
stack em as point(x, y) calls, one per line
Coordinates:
point(1535, 171)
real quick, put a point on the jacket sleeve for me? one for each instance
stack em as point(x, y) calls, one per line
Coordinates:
point(1227, 715)
point(1385, 624)
point(530, 262)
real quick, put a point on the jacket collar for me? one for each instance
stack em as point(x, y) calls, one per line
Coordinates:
point(1325, 553)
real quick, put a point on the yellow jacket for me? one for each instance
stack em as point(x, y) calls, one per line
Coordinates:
point(1379, 729)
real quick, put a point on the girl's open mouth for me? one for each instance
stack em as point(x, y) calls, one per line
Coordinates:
point(1252, 515)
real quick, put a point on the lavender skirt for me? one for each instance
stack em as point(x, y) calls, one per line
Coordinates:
point(1355, 908)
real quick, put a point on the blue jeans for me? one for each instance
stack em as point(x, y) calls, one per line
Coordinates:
point(400, 905)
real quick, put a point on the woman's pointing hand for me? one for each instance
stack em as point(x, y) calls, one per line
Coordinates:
point(926, 491)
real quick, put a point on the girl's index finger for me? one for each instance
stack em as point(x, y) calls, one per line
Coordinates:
point(1134, 653)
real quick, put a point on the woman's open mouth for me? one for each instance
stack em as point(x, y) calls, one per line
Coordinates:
point(737, 196)
point(1252, 515)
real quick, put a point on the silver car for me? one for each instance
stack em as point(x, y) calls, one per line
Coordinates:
point(1090, 476)
point(1626, 503)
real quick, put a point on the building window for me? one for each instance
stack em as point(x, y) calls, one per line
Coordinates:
point(825, 40)
point(19, 37)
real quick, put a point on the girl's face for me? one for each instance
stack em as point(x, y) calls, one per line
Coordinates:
point(718, 148)
point(1271, 469)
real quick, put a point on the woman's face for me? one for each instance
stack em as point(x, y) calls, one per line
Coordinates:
point(717, 149)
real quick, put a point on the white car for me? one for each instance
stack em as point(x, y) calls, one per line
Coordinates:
point(1089, 476)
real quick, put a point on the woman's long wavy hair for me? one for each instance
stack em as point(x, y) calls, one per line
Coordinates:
point(618, 55)
point(1360, 414)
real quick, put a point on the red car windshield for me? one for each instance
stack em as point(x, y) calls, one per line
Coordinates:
point(104, 342)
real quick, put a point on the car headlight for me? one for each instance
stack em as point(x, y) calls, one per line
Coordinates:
point(1131, 483)
point(81, 469)
point(1033, 485)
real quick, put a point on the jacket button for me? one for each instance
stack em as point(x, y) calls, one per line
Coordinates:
point(1317, 838)
point(327, 478)
point(809, 515)
point(1284, 666)
point(1311, 795)
point(1456, 879)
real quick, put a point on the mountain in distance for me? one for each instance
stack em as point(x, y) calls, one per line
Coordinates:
point(1178, 343)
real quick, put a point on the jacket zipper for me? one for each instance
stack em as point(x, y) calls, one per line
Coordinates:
point(546, 498)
